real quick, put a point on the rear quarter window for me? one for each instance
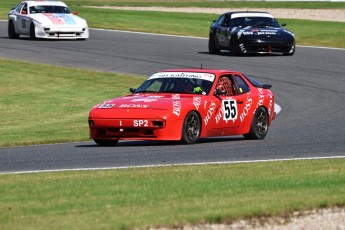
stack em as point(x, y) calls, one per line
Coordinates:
point(241, 85)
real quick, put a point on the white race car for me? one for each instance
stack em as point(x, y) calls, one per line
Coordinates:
point(46, 19)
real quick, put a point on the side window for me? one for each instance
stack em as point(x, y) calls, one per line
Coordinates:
point(225, 84)
point(33, 10)
point(242, 86)
point(225, 21)
point(25, 9)
point(19, 7)
point(220, 20)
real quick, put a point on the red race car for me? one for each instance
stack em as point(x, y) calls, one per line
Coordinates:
point(185, 105)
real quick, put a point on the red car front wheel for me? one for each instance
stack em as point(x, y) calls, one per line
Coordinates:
point(191, 128)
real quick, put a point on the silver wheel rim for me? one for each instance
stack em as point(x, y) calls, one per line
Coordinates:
point(261, 123)
point(192, 127)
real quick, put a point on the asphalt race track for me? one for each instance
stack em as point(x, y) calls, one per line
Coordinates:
point(309, 87)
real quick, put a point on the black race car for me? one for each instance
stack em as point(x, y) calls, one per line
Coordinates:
point(250, 32)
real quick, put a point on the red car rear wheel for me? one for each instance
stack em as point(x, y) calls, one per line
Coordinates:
point(259, 126)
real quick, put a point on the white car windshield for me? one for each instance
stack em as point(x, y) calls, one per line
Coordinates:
point(49, 9)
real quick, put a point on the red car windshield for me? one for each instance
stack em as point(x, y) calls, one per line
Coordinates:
point(176, 85)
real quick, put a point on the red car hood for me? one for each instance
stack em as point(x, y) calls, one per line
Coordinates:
point(139, 105)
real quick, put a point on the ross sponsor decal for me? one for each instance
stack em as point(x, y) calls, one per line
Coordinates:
point(261, 97)
point(139, 106)
point(210, 112)
point(177, 105)
point(246, 108)
point(196, 102)
point(219, 115)
point(270, 105)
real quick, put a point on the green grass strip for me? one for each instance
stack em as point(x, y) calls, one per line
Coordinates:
point(42, 104)
point(199, 3)
point(168, 196)
point(308, 32)
point(215, 4)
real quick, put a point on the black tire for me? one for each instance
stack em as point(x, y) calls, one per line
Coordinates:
point(191, 128)
point(292, 51)
point(259, 126)
point(32, 32)
point(213, 46)
point(234, 48)
point(103, 142)
point(11, 31)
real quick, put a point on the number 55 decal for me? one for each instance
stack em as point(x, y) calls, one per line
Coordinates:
point(230, 109)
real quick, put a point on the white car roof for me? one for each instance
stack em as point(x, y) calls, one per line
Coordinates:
point(46, 3)
point(250, 14)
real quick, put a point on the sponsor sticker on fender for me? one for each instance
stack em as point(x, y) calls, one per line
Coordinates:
point(261, 98)
point(177, 105)
point(196, 102)
point(60, 19)
point(134, 106)
point(246, 108)
point(210, 112)
point(260, 32)
point(106, 106)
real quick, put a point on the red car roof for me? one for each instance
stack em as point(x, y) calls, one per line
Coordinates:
point(214, 71)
